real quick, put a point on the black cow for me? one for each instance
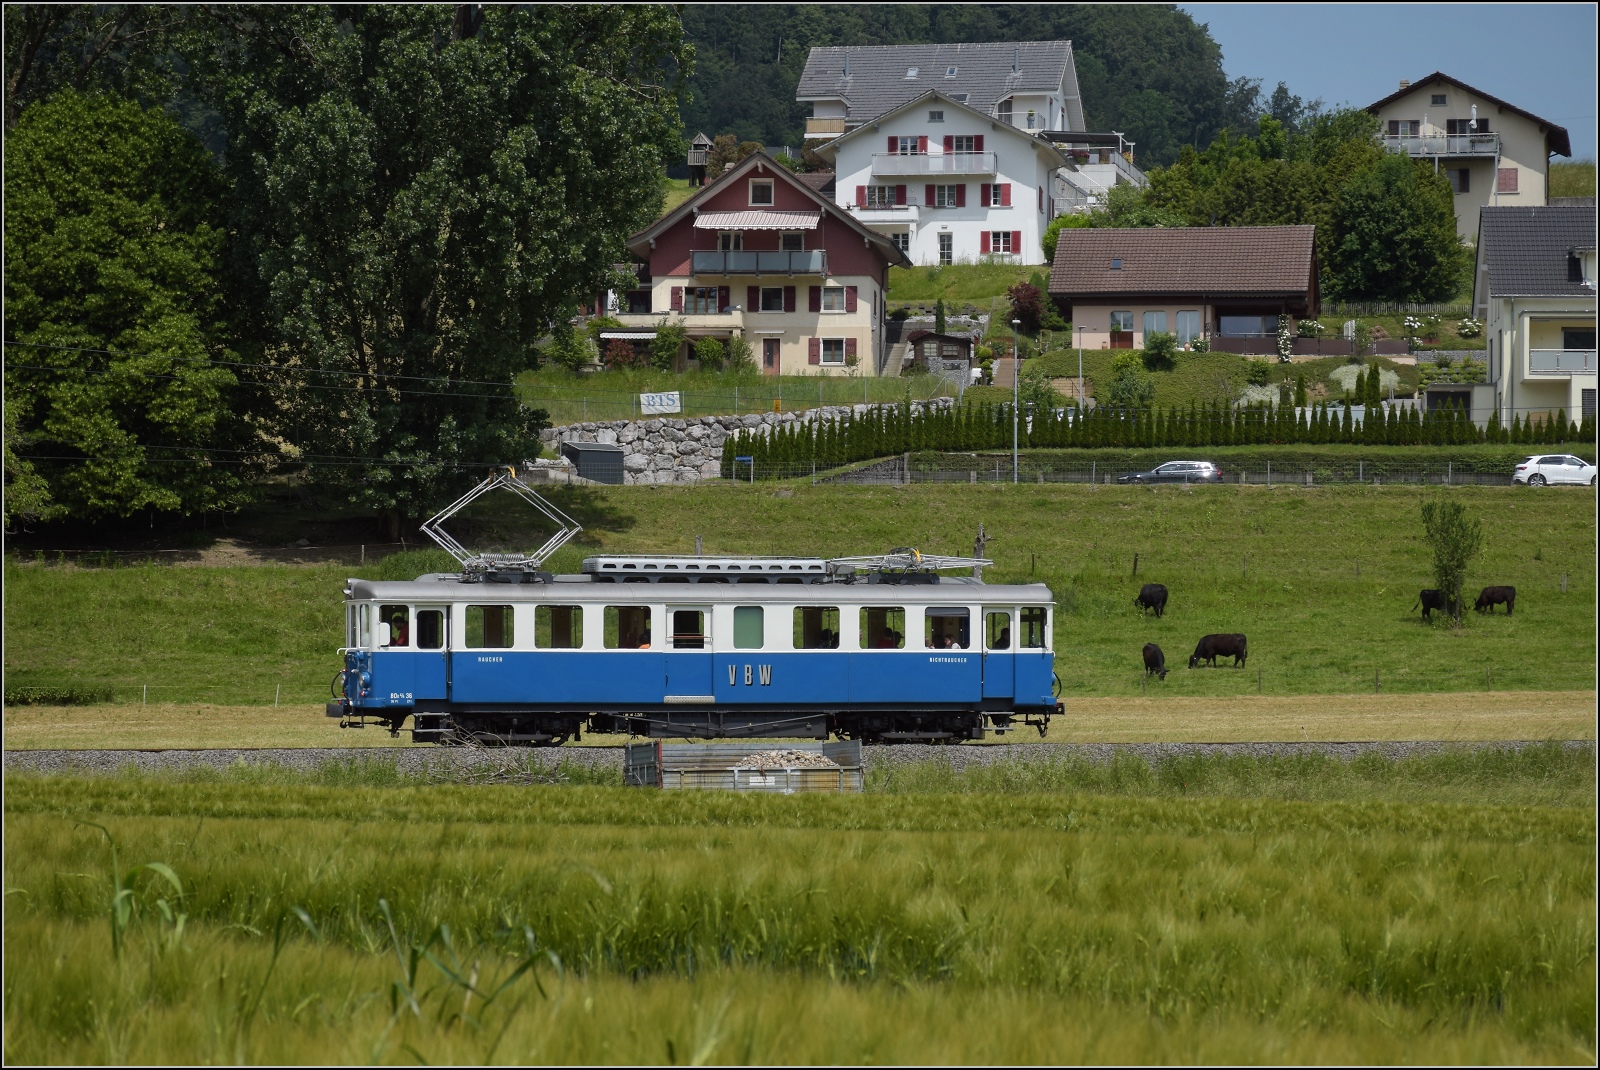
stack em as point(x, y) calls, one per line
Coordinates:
point(1431, 599)
point(1494, 596)
point(1152, 596)
point(1154, 661)
point(1212, 647)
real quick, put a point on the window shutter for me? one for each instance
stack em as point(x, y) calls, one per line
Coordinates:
point(724, 298)
point(1041, 198)
point(983, 194)
point(983, 242)
point(1506, 181)
point(961, 195)
point(1394, 127)
point(894, 144)
point(977, 143)
point(922, 144)
point(788, 299)
point(861, 196)
point(929, 198)
point(814, 348)
point(849, 298)
point(752, 299)
point(949, 143)
point(816, 299)
point(1016, 241)
point(899, 195)
point(849, 349)
point(677, 299)
point(1005, 195)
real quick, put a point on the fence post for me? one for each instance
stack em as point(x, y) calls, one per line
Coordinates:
point(1563, 583)
point(1269, 473)
point(1447, 465)
point(1258, 679)
point(1376, 684)
point(277, 693)
point(144, 700)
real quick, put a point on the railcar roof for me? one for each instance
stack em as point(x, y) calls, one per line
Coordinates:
point(448, 587)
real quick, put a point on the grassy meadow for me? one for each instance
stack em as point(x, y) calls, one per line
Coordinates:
point(1321, 579)
point(936, 919)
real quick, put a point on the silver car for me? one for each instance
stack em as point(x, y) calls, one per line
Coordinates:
point(1554, 468)
point(1177, 472)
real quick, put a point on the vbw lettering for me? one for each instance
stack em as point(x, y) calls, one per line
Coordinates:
point(751, 673)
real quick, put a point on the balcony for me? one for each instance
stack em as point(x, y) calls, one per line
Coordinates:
point(896, 213)
point(800, 262)
point(890, 164)
point(1484, 144)
point(1561, 362)
point(828, 127)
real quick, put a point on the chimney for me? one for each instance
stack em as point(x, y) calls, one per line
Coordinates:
point(847, 64)
point(1405, 83)
point(1016, 61)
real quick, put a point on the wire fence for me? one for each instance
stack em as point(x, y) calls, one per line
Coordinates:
point(997, 468)
point(356, 554)
point(125, 691)
point(567, 405)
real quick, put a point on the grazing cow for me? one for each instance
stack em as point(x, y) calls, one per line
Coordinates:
point(1154, 661)
point(1152, 596)
point(1431, 599)
point(1494, 596)
point(1212, 647)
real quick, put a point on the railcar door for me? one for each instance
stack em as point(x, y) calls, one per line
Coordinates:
point(433, 652)
point(999, 654)
point(688, 653)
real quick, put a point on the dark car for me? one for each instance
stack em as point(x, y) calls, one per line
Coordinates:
point(1177, 472)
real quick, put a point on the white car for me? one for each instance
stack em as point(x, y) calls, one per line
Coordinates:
point(1554, 468)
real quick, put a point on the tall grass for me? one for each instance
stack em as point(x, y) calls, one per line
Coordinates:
point(1446, 920)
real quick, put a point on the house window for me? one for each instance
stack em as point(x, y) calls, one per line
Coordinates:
point(1461, 180)
point(1122, 321)
point(1405, 127)
point(833, 351)
point(792, 242)
point(761, 193)
point(880, 197)
point(1588, 403)
point(902, 240)
point(772, 298)
point(1188, 326)
point(1577, 338)
point(639, 302)
point(1000, 241)
point(936, 117)
point(730, 240)
point(997, 195)
point(833, 300)
point(907, 146)
point(1248, 326)
point(1438, 100)
point(1155, 323)
point(964, 143)
point(947, 246)
point(945, 196)
point(700, 300)
point(1002, 110)
point(1574, 268)
point(1507, 180)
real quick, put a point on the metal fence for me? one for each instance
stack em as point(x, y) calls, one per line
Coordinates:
point(996, 468)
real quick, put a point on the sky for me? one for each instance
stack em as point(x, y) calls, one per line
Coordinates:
point(1540, 57)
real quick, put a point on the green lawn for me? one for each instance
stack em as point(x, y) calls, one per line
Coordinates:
point(675, 192)
point(333, 924)
point(1572, 178)
point(959, 285)
point(1321, 579)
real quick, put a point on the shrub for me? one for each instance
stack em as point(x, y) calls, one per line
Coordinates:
point(1469, 328)
point(597, 324)
point(669, 339)
point(739, 357)
point(1258, 374)
point(620, 354)
point(1455, 540)
point(1027, 305)
point(1200, 345)
point(708, 351)
point(900, 313)
point(1308, 329)
point(57, 696)
point(570, 349)
point(1160, 350)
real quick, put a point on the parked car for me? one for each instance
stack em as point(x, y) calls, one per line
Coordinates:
point(1176, 472)
point(1554, 468)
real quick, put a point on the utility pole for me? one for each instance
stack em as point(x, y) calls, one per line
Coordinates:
point(1016, 380)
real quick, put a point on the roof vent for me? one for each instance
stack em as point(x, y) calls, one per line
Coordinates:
point(1405, 83)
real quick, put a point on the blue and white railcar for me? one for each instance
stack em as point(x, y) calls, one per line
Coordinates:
point(700, 647)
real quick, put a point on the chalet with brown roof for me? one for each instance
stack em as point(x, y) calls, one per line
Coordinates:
point(1120, 285)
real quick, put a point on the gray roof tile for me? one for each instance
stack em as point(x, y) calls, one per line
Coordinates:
point(877, 81)
point(1526, 249)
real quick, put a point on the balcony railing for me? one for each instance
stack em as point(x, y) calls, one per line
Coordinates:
point(827, 127)
point(887, 213)
point(949, 163)
point(1561, 362)
point(800, 262)
point(1484, 144)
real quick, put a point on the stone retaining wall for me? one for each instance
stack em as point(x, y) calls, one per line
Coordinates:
point(671, 450)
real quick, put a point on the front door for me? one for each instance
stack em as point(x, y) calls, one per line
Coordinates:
point(688, 652)
point(769, 356)
point(433, 652)
point(999, 656)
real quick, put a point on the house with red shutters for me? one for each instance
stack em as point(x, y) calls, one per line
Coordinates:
point(760, 253)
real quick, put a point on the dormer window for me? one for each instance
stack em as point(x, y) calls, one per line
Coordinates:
point(911, 72)
point(1574, 268)
point(761, 193)
point(959, 98)
point(1116, 263)
point(1002, 110)
point(949, 72)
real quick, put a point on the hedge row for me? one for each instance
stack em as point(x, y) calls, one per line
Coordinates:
point(890, 429)
point(57, 696)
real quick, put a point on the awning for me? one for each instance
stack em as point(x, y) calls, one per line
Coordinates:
point(630, 335)
point(757, 220)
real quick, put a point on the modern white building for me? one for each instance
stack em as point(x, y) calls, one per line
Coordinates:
point(959, 152)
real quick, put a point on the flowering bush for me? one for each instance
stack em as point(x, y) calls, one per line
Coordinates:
point(1469, 328)
point(1200, 345)
point(1285, 340)
point(1309, 329)
point(1413, 326)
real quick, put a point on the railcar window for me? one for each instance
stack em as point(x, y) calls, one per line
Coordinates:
point(430, 629)
point(816, 628)
point(948, 627)
point(558, 627)
point(350, 637)
point(627, 627)
point(689, 629)
point(1035, 626)
point(749, 627)
point(490, 626)
point(363, 625)
point(998, 629)
point(398, 618)
point(883, 627)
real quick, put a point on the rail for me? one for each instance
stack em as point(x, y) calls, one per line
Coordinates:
point(1561, 362)
point(790, 262)
point(947, 163)
point(1484, 144)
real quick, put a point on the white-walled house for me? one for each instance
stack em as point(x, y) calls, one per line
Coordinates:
point(949, 184)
